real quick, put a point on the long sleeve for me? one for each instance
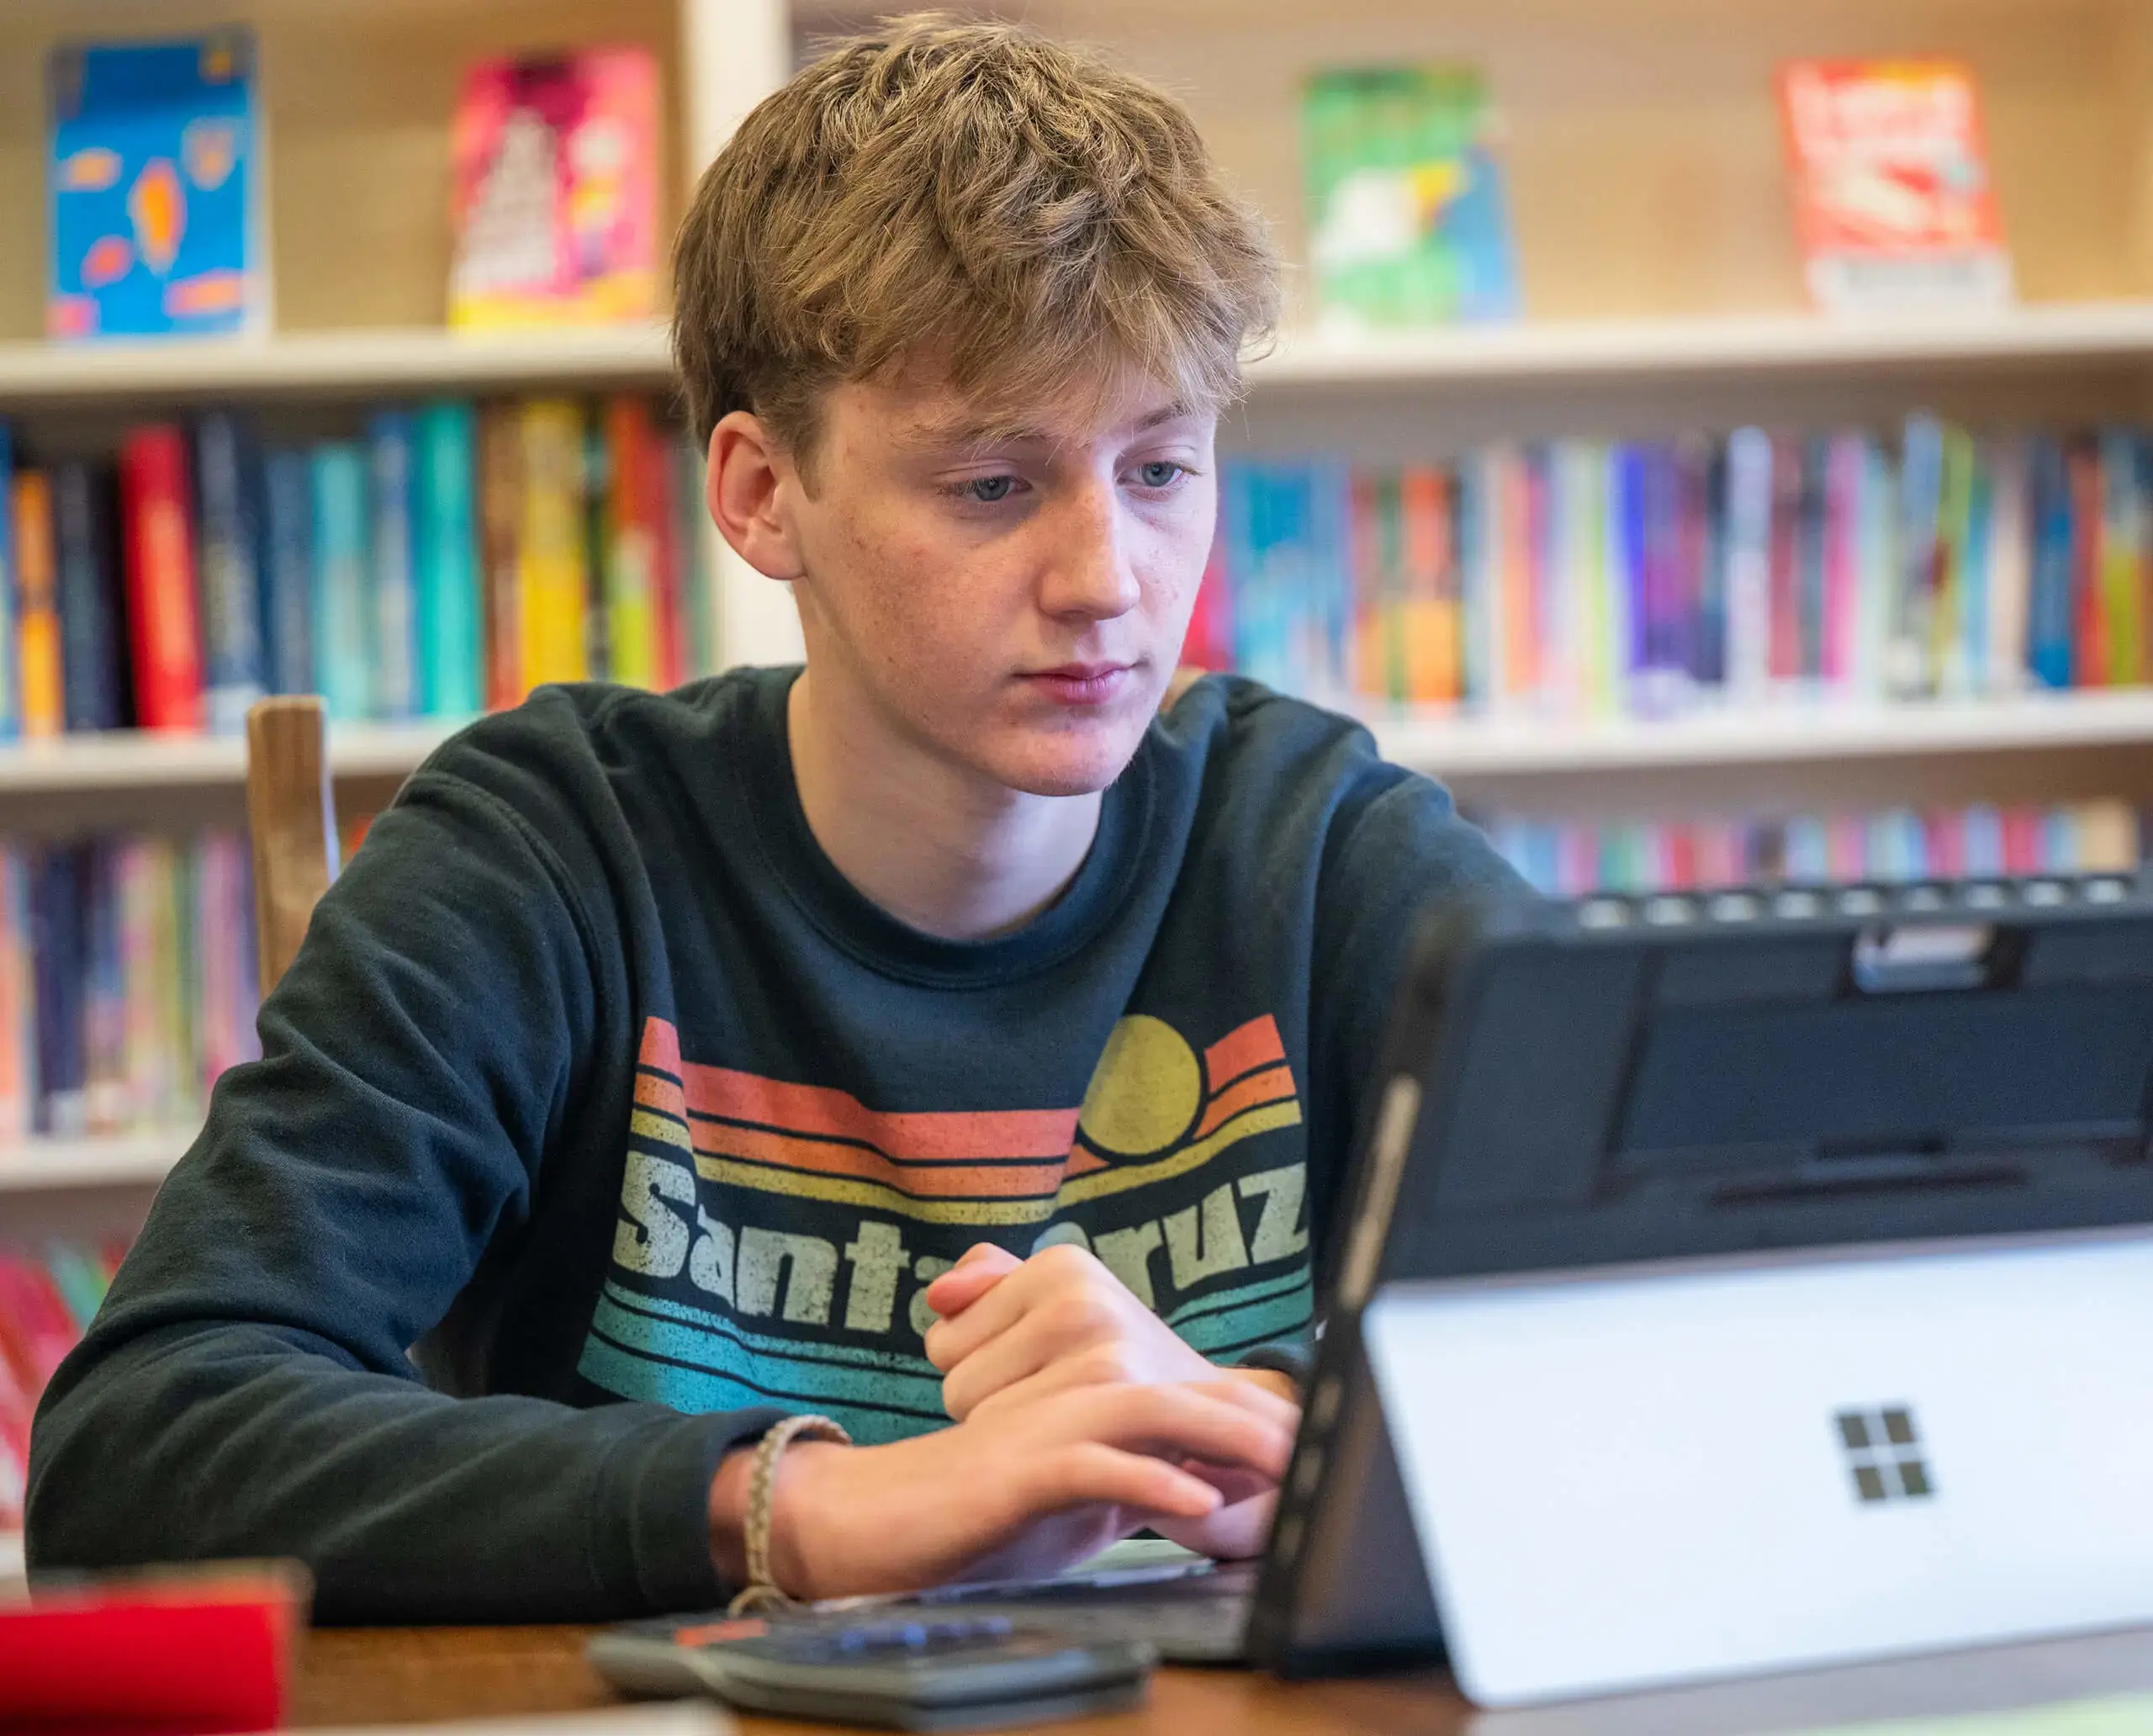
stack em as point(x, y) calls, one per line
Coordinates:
point(246, 1389)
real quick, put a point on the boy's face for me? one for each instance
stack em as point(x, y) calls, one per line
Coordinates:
point(1014, 601)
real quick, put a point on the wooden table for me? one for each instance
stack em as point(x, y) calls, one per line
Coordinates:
point(400, 1674)
point(394, 1675)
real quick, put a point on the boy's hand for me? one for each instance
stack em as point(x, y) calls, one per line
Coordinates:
point(1018, 1490)
point(1015, 1332)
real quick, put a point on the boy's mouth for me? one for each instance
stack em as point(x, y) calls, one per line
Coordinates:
point(1081, 683)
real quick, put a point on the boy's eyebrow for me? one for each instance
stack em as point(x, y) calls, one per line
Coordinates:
point(970, 432)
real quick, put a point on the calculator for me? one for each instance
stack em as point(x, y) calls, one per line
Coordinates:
point(965, 1673)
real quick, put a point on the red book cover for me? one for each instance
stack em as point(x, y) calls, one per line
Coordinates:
point(654, 506)
point(36, 1330)
point(1208, 643)
point(1892, 198)
point(2089, 652)
point(1682, 863)
point(164, 625)
point(2022, 840)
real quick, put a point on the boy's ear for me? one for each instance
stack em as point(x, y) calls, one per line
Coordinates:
point(742, 489)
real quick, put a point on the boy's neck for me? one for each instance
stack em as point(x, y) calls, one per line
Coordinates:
point(936, 848)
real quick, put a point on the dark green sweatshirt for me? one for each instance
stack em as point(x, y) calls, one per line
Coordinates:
point(597, 1092)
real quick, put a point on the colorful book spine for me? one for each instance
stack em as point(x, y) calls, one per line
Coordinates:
point(450, 617)
point(165, 632)
point(56, 941)
point(629, 599)
point(229, 493)
point(500, 488)
point(392, 561)
point(344, 616)
point(553, 587)
point(107, 1089)
point(692, 537)
point(18, 1077)
point(288, 571)
point(92, 613)
point(11, 673)
point(39, 643)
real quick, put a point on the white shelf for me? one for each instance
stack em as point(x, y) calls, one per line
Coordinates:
point(1529, 351)
point(35, 1165)
point(374, 363)
point(141, 759)
point(371, 363)
point(1785, 734)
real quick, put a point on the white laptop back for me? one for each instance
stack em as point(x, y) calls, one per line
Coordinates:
point(1651, 1476)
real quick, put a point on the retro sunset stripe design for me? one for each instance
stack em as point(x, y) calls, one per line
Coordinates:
point(1153, 1111)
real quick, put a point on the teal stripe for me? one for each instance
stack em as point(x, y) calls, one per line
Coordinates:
point(694, 1392)
point(763, 1345)
point(1296, 1280)
point(1255, 1324)
point(802, 1377)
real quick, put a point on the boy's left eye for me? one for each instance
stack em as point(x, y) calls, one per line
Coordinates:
point(1160, 473)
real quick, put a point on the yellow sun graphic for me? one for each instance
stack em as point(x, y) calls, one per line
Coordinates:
point(1146, 1091)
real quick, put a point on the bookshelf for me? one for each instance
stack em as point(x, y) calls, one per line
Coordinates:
point(1659, 272)
point(41, 1165)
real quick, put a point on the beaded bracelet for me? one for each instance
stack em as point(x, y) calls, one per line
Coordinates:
point(762, 1591)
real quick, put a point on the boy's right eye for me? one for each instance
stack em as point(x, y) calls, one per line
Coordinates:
point(981, 491)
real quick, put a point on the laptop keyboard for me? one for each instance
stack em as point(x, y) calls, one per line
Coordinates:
point(1189, 1618)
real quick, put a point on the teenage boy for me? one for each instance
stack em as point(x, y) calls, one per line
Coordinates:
point(938, 1032)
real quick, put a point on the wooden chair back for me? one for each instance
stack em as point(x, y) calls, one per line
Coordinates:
point(291, 813)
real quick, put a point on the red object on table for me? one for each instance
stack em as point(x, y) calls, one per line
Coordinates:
point(187, 1653)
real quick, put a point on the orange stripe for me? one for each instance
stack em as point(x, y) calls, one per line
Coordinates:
point(916, 1136)
point(1254, 1044)
point(1270, 1086)
point(939, 1181)
point(661, 1047)
point(663, 1095)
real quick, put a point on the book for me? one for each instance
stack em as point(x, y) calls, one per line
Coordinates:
point(288, 571)
point(390, 545)
point(228, 488)
point(447, 565)
point(343, 615)
point(18, 1084)
point(500, 487)
point(10, 673)
point(38, 641)
point(1894, 206)
point(155, 188)
point(555, 164)
point(57, 946)
point(1408, 219)
point(692, 536)
point(553, 586)
point(164, 626)
point(108, 1091)
point(93, 614)
point(634, 542)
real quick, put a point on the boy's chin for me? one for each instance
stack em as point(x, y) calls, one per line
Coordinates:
point(1073, 762)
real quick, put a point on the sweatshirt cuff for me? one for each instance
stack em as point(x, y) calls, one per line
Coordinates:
point(660, 1560)
point(1290, 1360)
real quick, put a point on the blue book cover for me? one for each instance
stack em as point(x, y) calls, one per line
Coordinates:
point(154, 190)
point(446, 544)
point(396, 693)
point(1907, 660)
point(287, 572)
point(94, 689)
point(343, 617)
point(56, 952)
point(11, 696)
point(230, 541)
point(1973, 610)
point(2050, 613)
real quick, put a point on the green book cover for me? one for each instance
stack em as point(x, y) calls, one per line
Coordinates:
point(1408, 221)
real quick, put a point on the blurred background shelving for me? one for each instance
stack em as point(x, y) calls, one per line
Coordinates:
point(1662, 291)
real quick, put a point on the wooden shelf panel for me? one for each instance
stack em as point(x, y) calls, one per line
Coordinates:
point(370, 363)
point(137, 759)
point(1793, 734)
point(37, 1165)
point(1786, 734)
point(1529, 353)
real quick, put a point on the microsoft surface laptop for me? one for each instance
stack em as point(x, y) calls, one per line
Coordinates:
point(1726, 1286)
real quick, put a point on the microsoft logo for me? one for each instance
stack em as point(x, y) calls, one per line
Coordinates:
point(1883, 1450)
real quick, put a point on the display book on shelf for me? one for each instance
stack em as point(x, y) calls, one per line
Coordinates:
point(47, 1297)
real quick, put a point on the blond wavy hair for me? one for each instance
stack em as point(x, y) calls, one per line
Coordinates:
point(1018, 214)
